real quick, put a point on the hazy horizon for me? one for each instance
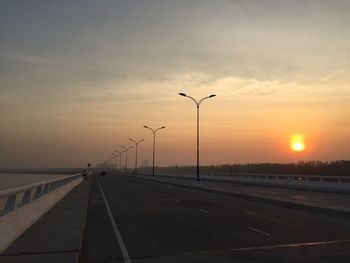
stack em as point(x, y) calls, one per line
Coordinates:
point(103, 165)
point(78, 79)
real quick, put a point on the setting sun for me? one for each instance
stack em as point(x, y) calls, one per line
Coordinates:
point(297, 143)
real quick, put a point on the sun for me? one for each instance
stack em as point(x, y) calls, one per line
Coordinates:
point(297, 146)
point(297, 142)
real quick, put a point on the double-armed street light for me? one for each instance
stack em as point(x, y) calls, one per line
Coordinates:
point(198, 103)
point(154, 143)
point(110, 158)
point(120, 162)
point(116, 160)
point(136, 144)
point(126, 149)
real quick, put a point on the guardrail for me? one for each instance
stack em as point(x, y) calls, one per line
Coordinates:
point(17, 197)
point(308, 182)
point(22, 206)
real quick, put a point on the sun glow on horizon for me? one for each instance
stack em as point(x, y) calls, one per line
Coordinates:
point(297, 142)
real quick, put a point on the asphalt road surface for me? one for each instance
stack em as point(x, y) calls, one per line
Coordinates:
point(134, 220)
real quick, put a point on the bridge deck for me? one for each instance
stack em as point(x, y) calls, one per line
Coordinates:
point(133, 220)
point(165, 223)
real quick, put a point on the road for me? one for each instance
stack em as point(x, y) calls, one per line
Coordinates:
point(156, 222)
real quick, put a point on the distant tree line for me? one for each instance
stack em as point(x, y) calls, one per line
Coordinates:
point(337, 168)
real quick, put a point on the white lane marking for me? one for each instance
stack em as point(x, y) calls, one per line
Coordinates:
point(268, 218)
point(202, 198)
point(203, 210)
point(115, 228)
point(171, 199)
point(259, 231)
point(290, 245)
point(306, 244)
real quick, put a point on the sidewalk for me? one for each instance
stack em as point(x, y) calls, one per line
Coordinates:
point(330, 203)
point(56, 237)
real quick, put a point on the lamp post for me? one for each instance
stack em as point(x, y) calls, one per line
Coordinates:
point(126, 149)
point(154, 143)
point(110, 158)
point(198, 103)
point(136, 144)
point(116, 160)
point(120, 162)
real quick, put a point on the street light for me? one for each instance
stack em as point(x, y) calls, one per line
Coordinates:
point(116, 160)
point(114, 157)
point(154, 143)
point(198, 103)
point(120, 161)
point(126, 149)
point(136, 144)
point(110, 158)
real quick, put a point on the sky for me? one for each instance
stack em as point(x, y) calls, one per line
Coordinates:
point(79, 78)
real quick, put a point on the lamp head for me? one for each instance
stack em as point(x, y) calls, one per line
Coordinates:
point(162, 127)
point(212, 95)
point(182, 94)
point(145, 126)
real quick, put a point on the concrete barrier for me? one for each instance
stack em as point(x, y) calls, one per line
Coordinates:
point(305, 182)
point(23, 206)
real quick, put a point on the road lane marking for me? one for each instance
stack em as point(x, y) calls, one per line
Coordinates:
point(203, 210)
point(171, 199)
point(270, 247)
point(259, 231)
point(268, 218)
point(292, 245)
point(120, 240)
point(194, 198)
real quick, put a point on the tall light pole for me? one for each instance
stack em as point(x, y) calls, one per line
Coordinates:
point(136, 144)
point(154, 143)
point(116, 160)
point(120, 162)
point(198, 103)
point(110, 158)
point(126, 149)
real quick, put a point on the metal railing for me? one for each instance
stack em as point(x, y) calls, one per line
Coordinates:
point(16, 197)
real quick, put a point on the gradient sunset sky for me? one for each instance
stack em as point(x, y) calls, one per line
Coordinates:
point(79, 78)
